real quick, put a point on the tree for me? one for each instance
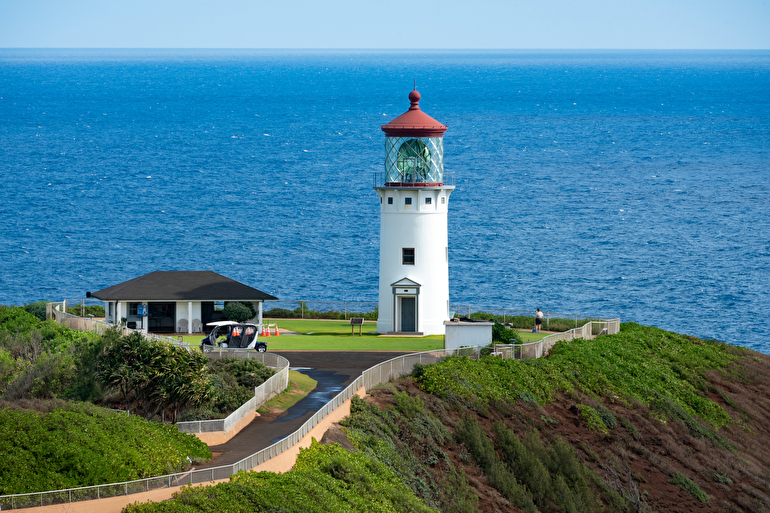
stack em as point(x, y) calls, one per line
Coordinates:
point(238, 312)
point(154, 377)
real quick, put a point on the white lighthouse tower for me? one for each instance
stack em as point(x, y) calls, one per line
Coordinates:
point(414, 201)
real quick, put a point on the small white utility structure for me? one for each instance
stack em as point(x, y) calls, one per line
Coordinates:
point(414, 201)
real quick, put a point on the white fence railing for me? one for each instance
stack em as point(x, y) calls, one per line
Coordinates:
point(53, 311)
point(381, 373)
point(274, 385)
point(542, 347)
point(511, 314)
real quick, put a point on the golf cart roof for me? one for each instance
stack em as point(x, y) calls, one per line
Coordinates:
point(227, 323)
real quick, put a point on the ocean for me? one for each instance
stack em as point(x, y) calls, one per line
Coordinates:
point(624, 183)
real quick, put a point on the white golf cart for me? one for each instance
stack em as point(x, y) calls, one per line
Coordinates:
point(233, 335)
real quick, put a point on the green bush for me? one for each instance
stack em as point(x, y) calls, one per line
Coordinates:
point(504, 335)
point(46, 360)
point(593, 419)
point(233, 382)
point(152, 377)
point(500, 475)
point(38, 309)
point(324, 478)
point(237, 312)
point(82, 445)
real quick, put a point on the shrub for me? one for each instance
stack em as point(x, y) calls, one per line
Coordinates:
point(593, 419)
point(504, 335)
point(37, 309)
point(153, 377)
point(82, 445)
point(237, 312)
point(687, 484)
point(324, 478)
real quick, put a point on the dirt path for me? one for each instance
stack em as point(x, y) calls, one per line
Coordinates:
point(334, 370)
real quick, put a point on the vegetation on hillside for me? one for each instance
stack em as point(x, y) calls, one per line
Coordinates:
point(47, 443)
point(645, 420)
point(325, 478)
point(77, 444)
point(43, 360)
point(657, 368)
point(642, 421)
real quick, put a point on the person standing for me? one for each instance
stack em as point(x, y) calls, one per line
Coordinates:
point(538, 320)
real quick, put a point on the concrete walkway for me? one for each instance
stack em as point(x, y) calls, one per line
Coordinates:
point(333, 370)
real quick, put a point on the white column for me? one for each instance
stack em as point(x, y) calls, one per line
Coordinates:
point(259, 312)
point(189, 317)
point(118, 315)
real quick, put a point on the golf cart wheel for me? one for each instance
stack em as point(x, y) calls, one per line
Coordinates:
point(262, 348)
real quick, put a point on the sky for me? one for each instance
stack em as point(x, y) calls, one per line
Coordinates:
point(381, 24)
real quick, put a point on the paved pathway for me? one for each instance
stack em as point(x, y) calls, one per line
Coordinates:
point(334, 370)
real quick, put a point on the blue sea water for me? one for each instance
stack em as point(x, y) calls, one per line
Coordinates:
point(631, 184)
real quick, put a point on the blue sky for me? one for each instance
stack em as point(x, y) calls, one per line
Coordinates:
point(466, 24)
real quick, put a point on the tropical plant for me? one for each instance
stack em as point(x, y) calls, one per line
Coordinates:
point(237, 312)
point(153, 377)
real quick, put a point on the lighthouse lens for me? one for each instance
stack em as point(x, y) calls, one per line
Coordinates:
point(413, 160)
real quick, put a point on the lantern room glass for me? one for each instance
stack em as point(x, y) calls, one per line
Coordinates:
point(414, 160)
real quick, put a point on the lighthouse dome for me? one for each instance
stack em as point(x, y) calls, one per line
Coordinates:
point(414, 148)
point(414, 122)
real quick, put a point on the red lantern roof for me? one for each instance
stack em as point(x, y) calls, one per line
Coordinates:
point(414, 122)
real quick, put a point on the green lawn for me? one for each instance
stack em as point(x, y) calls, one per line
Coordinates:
point(299, 387)
point(317, 335)
point(528, 336)
point(320, 335)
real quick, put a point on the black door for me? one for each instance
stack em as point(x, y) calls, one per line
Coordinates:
point(408, 314)
point(162, 317)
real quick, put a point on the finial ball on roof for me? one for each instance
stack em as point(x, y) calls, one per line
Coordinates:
point(414, 96)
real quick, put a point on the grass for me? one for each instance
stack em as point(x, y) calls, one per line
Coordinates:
point(528, 336)
point(318, 335)
point(300, 386)
point(322, 335)
point(662, 370)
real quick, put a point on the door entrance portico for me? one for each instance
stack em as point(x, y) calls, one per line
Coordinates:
point(406, 294)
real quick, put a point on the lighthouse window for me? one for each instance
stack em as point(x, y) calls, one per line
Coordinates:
point(390, 200)
point(427, 201)
point(407, 256)
point(407, 201)
point(443, 200)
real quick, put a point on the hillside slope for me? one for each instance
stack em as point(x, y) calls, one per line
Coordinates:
point(645, 420)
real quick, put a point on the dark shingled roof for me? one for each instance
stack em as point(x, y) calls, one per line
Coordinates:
point(182, 286)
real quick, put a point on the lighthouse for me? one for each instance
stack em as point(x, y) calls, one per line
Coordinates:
point(414, 201)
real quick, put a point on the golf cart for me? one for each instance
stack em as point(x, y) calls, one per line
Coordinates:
point(232, 335)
